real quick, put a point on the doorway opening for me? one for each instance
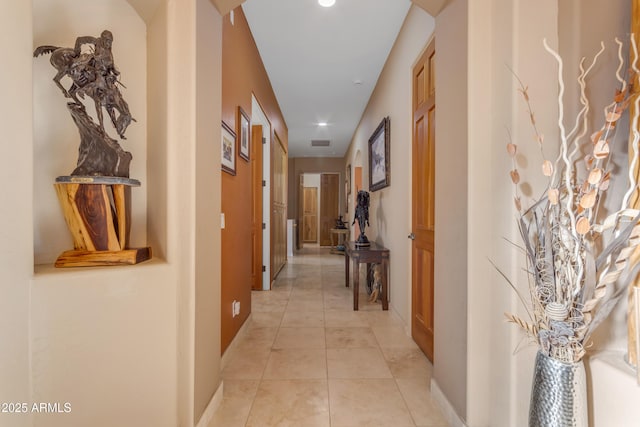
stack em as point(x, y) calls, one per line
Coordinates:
point(319, 200)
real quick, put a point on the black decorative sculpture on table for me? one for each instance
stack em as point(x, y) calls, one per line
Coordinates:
point(362, 216)
point(340, 225)
point(94, 74)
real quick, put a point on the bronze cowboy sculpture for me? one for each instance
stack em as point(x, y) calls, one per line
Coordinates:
point(93, 73)
point(96, 198)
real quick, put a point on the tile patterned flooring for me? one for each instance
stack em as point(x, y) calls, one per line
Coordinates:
point(307, 359)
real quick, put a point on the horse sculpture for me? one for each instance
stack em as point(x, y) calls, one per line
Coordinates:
point(62, 59)
point(93, 74)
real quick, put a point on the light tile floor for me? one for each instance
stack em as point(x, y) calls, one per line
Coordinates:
point(307, 359)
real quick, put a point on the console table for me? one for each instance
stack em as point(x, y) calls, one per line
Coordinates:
point(342, 236)
point(368, 254)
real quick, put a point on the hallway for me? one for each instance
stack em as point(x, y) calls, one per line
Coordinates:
point(306, 359)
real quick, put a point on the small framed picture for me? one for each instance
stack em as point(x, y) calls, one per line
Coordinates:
point(228, 149)
point(379, 162)
point(244, 133)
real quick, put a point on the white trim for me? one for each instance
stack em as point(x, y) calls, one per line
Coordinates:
point(445, 406)
point(212, 407)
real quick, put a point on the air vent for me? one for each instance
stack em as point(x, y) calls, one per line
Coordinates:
point(320, 143)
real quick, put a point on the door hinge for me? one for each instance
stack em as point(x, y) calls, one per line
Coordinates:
point(264, 268)
point(264, 226)
point(264, 183)
point(264, 140)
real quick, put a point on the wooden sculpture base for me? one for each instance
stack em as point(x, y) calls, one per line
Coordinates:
point(102, 258)
point(98, 213)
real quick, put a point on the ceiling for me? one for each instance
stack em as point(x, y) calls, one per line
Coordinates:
point(324, 63)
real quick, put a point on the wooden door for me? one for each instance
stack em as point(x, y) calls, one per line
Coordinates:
point(310, 215)
point(423, 197)
point(329, 205)
point(256, 207)
point(279, 207)
point(300, 217)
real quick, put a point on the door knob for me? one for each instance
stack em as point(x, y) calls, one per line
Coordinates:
point(412, 236)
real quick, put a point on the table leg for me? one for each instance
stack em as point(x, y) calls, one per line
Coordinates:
point(356, 282)
point(385, 285)
point(346, 269)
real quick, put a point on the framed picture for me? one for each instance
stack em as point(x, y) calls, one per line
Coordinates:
point(346, 197)
point(347, 189)
point(244, 133)
point(228, 146)
point(379, 161)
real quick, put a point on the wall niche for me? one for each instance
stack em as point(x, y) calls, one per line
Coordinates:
point(56, 138)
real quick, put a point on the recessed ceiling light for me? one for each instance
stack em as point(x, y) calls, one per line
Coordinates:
point(322, 124)
point(326, 3)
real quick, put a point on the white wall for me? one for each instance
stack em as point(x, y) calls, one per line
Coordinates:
point(390, 208)
point(580, 35)
point(208, 193)
point(515, 43)
point(16, 233)
point(451, 210)
point(615, 392)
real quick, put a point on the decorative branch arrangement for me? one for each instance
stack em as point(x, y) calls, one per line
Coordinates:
point(578, 268)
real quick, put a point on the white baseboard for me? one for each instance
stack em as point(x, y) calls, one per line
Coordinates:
point(216, 400)
point(212, 407)
point(445, 406)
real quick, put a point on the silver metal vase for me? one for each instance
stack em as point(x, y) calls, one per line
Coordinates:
point(559, 394)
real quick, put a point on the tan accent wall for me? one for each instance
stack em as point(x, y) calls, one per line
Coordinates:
point(242, 74)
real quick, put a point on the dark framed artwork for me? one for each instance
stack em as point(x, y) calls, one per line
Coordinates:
point(244, 134)
point(379, 160)
point(228, 145)
point(346, 197)
point(347, 188)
